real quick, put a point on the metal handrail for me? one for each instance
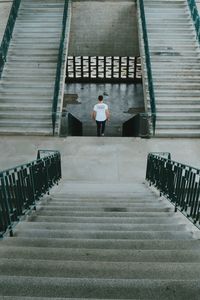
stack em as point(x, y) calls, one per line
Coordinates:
point(180, 183)
point(195, 17)
point(23, 185)
point(148, 65)
point(8, 33)
point(58, 69)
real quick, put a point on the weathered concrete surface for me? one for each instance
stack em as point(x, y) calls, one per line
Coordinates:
point(104, 28)
point(106, 160)
point(119, 97)
point(5, 6)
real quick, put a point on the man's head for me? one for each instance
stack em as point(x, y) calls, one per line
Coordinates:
point(100, 98)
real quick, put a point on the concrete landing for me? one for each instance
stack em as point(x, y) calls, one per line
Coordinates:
point(106, 160)
point(122, 100)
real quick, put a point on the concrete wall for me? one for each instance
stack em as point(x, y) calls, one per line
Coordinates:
point(104, 28)
point(5, 6)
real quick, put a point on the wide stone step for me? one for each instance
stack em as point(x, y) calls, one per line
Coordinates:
point(176, 93)
point(19, 98)
point(166, 116)
point(24, 44)
point(178, 132)
point(7, 107)
point(41, 55)
point(26, 115)
point(95, 269)
point(105, 214)
point(177, 86)
point(178, 124)
point(95, 209)
point(25, 124)
point(24, 85)
point(99, 226)
point(181, 69)
point(170, 27)
point(53, 58)
point(18, 130)
point(34, 78)
point(108, 234)
point(131, 244)
point(25, 91)
point(32, 52)
point(191, 112)
point(171, 35)
point(99, 288)
point(36, 27)
point(182, 78)
point(178, 99)
point(188, 47)
point(105, 255)
point(36, 65)
point(155, 42)
point(107, 211)
point(42, 24)
point(47, 298)
point(115, 220)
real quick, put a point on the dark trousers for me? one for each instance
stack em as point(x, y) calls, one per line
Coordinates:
point(100, 127)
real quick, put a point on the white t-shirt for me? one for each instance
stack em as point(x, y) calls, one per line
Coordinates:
point(100, 109)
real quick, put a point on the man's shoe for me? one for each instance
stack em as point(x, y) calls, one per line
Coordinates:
point(102, 134)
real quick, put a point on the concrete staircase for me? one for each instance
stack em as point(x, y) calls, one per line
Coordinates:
point(175, 60)
point(27, 85)
point(101, 241)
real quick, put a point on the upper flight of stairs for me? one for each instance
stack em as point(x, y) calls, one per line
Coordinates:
point(95, 244)
point(27, 84)
point(175, 61)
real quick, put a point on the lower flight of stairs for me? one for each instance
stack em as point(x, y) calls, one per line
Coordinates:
point(28, 79)
point(175, 62)
point(109, 246)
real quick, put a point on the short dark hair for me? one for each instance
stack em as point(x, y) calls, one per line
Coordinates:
point(100, 98)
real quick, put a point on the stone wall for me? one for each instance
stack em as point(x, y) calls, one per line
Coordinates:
point(103, 28)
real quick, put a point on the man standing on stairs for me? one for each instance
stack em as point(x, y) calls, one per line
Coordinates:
point(100, 114)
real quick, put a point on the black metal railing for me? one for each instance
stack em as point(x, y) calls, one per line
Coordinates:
point(22, 186)
point(148, 65)
point(59, 66)
point(195, 17)
point(178, 182)
point(8, 33)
